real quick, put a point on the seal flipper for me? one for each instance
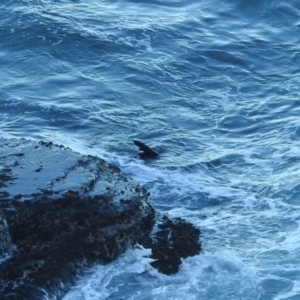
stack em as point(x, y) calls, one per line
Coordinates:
point(147, 152)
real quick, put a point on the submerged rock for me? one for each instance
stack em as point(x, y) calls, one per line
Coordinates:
point(64, 211)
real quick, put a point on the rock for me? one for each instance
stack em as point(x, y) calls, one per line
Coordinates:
point(5, 240)
point(172, 241)
point(64, 211)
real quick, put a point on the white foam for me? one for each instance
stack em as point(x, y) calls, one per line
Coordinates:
point(99, 285)
point(206, 276)
point(5, 135)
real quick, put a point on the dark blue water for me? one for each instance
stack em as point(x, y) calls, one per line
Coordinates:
point(213, 87)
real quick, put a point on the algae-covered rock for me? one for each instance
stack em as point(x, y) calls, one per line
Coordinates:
point(63, 211)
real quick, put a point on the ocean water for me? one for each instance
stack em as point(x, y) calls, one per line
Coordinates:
point(213, 86)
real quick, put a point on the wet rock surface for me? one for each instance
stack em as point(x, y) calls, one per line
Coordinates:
point(172, 241)
point(5, 239)
point(61, 212)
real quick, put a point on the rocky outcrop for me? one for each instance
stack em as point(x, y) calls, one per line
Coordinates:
point(171, 241)
point(64, 211)
point(61, 212)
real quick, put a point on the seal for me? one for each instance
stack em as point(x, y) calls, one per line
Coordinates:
point(146, 151)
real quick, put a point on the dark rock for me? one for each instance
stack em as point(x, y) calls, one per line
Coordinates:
point(174, 239)
point(55, 239)
point(5, 239)
point(74, 212)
